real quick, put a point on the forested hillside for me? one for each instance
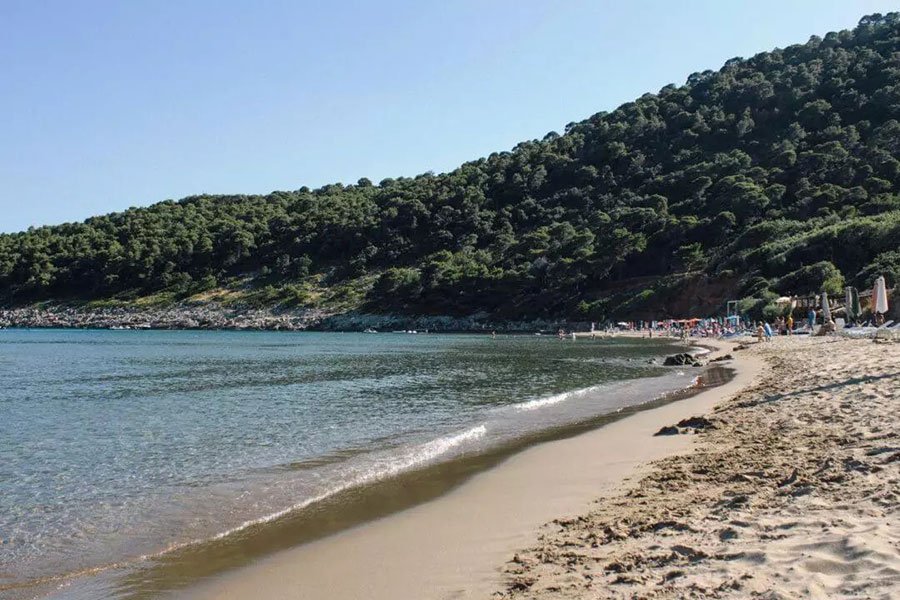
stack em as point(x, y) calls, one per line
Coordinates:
point(777, 174)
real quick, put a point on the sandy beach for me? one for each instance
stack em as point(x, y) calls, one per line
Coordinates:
point(793, 493)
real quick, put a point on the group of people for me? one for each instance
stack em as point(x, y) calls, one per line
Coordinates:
point(733, 325)
point(781, 325)
point(785, 325)
point(680, 328)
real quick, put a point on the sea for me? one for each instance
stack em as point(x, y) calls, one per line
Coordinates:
point(133, 463)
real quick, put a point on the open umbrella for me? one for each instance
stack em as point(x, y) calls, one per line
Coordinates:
point(826, 310)
point(879, 296)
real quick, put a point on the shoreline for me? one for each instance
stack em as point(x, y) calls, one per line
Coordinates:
point(475, 527)
point(173, 566)
point(791, 491)
point(184, 564)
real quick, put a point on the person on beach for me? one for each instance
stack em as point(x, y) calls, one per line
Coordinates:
point(790, 324)
point(760, 332)
point(768, 331)
point(811, 318)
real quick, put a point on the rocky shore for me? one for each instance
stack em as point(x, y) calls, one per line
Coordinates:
point(216, 316)
point(207, 316)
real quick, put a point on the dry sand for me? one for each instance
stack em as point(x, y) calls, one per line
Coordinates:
point(456, 545)
point(794, 494)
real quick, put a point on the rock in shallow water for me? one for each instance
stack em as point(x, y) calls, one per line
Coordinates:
point(682, 360)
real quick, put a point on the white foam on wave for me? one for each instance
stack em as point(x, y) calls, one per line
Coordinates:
point(435, 448)
point(555, 399)
point(539, 403)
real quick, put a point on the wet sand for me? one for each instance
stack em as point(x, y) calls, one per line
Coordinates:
point(455, 546)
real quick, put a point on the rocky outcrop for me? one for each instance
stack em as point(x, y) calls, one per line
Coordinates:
point(216, 316)
point(205, 316)
point(689, 425)
point(682, 360)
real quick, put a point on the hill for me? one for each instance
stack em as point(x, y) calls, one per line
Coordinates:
point(776, 174)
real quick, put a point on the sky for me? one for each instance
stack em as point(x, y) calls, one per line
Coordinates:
point(109, 105)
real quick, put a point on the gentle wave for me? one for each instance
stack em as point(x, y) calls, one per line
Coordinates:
point(417, 456)
point(555, 399)
point(539, 403)
point(420, 455)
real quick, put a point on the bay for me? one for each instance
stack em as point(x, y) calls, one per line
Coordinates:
point(119, 446)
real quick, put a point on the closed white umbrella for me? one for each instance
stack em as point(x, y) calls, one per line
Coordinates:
point(848, 301)
point(826, 310)
point(879, 296)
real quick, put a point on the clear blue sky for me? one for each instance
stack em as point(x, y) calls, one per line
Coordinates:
point(106, 105)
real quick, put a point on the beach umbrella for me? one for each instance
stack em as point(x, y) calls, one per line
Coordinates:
point(848, 301)
point(854, 302)
point(826, 310)
point(879, 296)
point(874, 302)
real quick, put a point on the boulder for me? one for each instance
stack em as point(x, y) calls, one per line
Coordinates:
point(682, 360)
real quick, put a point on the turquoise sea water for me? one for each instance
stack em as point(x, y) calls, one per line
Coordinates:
point(116, 446)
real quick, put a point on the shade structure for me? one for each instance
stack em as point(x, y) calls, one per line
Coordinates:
point(879, 296)
point(826, 310)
